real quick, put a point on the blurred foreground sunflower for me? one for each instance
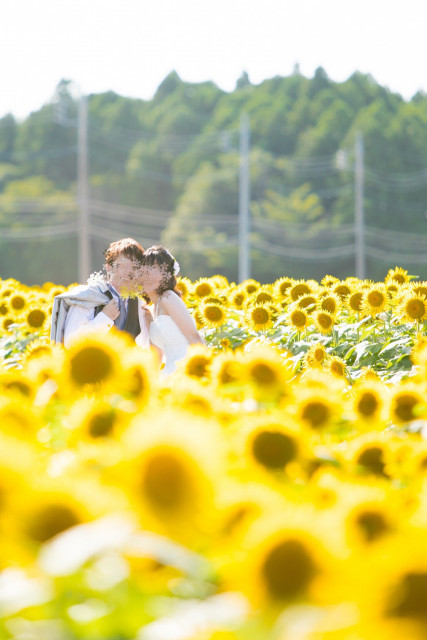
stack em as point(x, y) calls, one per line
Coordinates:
point(94, 360)
point(284, 562)
point(197, 363)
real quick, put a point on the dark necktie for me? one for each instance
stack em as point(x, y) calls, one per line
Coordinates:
point(120, 321)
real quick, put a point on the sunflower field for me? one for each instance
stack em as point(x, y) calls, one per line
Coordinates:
point(273, 488)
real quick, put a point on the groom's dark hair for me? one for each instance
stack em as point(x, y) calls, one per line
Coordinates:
point(127, 247)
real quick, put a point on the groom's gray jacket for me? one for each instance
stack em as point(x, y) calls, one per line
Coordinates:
point(84, 295)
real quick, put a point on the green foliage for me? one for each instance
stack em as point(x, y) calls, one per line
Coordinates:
point(179, 152)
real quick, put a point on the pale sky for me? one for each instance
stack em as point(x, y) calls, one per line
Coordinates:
point(129, 46)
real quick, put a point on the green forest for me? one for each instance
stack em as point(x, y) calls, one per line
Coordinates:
point(168, 169)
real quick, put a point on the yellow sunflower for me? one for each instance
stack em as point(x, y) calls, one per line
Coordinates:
point(336, 365)
point(419, 288)
point(184, 285)
point(281, 287)
point(374, 300)
point(227, 370)
point(314, 409)
point(137, 381)
point(240, 505)
point(202, 288)
point(6, 323)
point(250, 286)
point(36, 318)
point(397, 275)
point(18, 418)
point(371, 454)
point(58, 289)
point(329, 281)
point(93, 419)
point(196, 399)
point(266, 370)
point(95, 359)
point(198, 362)
point(324, 321)
point(168, 472)
point(259, 317)
point(342, 289)
point(413, 308)
point(404, 401)
point(17, 383)
point(264, 295)
point(331, 303)
point(18, 302)
point(354, 301)
point(370, 521)
point(272, 445)
point(393, 290)
point(299, 288)
point(316, 402)
point(283, 561)
point(315, 356)
point(37, 348)
point(238, 298)
point(220, 281)
point(297, 318)
point(52, 508)
point(307, 302)
point(367, 373)
point(213, 315)
point(403, 589)
point(368, 403)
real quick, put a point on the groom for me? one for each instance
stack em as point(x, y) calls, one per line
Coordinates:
point(99, 306)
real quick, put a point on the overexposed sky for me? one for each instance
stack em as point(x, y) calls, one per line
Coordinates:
point(129, 46)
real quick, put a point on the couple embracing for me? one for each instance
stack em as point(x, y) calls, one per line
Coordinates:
point(106, 302)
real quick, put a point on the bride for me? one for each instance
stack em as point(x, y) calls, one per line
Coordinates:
point(172, 329)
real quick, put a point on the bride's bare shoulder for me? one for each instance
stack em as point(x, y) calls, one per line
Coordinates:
point(172, 299)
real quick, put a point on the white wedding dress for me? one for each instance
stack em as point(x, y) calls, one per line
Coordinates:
point(166, 335)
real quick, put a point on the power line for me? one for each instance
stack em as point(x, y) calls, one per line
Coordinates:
point(394, 257)
point(305, 254)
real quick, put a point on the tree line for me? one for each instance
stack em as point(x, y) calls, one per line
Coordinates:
point(179, 152)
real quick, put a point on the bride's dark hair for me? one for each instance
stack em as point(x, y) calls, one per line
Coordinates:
point(159, 256)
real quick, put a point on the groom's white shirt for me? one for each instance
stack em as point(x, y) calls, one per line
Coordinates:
point(81, 321)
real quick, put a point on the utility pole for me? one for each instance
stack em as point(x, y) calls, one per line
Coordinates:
point(359, 217)
point(244, 200)
point(83, 190)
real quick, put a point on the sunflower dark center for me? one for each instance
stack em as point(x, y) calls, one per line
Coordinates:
point(274, 449)
point(288, 570)
point(51, 520)
point(316, 413)
point(405, 404)
point(101, 424)
point(372, 459)
point(409, 598)
point(166, 483)
point(90, 365)
point(372, 525)
point(367, 404)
